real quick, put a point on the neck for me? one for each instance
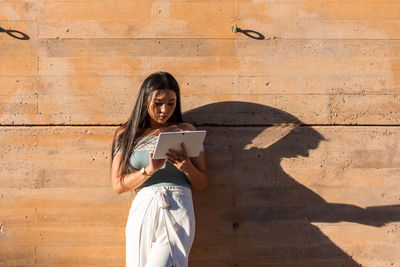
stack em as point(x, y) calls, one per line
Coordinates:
point(155, 125)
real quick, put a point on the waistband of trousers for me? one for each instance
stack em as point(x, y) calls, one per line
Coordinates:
point(164, 188)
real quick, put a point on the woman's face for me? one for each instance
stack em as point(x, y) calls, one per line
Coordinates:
point(161, 107)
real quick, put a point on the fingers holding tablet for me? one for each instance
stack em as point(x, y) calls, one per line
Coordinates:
point(176, 155)
point(179, 159)
point(155, 164)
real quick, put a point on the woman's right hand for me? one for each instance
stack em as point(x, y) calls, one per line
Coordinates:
point(154, 164)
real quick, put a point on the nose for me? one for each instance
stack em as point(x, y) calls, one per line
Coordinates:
point(163, 108)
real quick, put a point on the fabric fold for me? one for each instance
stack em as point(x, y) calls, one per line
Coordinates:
point(160, 222)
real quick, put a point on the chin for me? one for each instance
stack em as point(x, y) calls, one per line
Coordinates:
point(162, 121)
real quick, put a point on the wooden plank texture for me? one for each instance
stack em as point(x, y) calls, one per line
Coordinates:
point(288, 185)
point(81, 255)
point(281, 189)
point(193, 19)
point(108, 100)
point(199, 47)
point(258, 177)
point(21, 66)
point(164, 19)
point(213, 66)
point(12, 255)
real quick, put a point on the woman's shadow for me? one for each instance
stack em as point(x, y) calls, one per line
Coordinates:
point(271, 213)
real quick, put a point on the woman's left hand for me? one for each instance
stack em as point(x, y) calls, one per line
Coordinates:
point(180, 159)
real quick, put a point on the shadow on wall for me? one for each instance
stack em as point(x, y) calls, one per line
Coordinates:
point(272, 213)
point(15, 34)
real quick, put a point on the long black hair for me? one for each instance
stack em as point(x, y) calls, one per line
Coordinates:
point(126, 136)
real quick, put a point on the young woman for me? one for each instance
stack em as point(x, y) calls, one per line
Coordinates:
point(160, 227)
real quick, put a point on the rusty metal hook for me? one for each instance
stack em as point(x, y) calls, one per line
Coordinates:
point(15, 34)
point(249, 33)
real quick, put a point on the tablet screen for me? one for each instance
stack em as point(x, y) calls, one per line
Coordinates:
point(193, 141)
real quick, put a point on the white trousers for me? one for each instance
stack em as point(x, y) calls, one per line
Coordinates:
point(160, 227)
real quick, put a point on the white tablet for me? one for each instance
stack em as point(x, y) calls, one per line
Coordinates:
point(193, 141)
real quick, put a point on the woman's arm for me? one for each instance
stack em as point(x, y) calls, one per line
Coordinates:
point(197, 172)
point(135, 179)
point(195, 168)
point(130, 181)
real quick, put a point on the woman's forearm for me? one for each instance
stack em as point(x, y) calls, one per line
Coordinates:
point(197, 178)
point(131, 181)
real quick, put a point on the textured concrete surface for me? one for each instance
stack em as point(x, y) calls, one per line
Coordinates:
point(303, 127)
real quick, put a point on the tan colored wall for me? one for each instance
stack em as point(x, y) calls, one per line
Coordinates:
point(325, 193)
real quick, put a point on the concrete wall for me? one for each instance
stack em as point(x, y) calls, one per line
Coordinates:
point(303, 127)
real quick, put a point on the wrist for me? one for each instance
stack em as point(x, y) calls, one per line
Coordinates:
point(149, 171)
point(189, 169)
point(145, 173)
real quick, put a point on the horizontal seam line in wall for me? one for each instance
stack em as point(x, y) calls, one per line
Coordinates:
point(300, 125)
point(221, 38)
point(205, 125)
point(188, 95)
point(191, 75)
